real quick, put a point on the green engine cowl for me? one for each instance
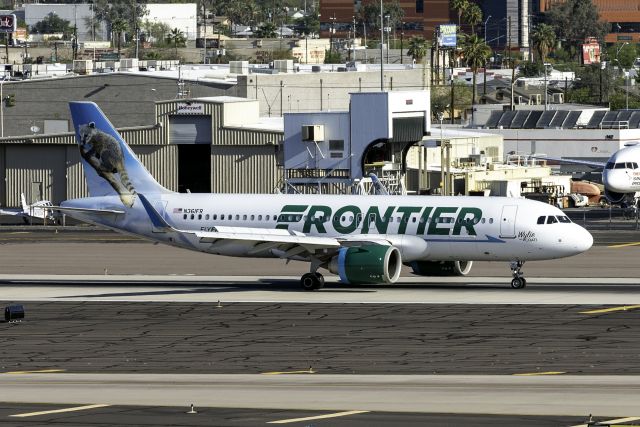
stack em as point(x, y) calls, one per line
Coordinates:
point(441, 268)
point(367, 264)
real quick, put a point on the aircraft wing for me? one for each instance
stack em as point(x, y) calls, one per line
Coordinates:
point(14, 212)
point(599, 165)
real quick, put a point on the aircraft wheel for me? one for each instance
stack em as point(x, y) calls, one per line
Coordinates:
point(518, 283)
point(310, 282)
point(320, 278)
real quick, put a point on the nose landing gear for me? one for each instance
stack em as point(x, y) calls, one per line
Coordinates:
point(518, 281)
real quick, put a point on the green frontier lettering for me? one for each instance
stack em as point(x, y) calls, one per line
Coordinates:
point(435, 221)
point(423, 220)
point(349, 211)
point(381, 222)
point(318, 220)
point(467, 218)
point(290, 214)
point(406, 214)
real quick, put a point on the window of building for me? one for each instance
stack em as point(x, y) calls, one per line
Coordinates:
point(419, 6)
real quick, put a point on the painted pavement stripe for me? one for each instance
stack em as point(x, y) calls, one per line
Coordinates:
point(308, 371)
point(616, 421)
point(612, 309)
point(318, 417)
point(41, 371)
point(59, 411)
point(624, 245)
point(532, 374)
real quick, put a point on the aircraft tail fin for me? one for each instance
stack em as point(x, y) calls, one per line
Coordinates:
point(25, 205)
point(110, 166)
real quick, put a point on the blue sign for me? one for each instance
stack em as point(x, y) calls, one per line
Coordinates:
point(448, 35)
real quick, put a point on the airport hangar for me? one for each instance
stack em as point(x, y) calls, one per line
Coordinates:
point(201, 144)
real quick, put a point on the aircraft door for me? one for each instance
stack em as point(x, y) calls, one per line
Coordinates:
point(508, 221)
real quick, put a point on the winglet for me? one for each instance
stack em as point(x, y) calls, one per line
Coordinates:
point(156, 219)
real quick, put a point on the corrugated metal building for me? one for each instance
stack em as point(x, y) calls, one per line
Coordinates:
point(215, 144)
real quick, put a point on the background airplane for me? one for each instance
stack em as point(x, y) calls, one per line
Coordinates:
point(363, 239)
point(41, 209)
point(620, 174)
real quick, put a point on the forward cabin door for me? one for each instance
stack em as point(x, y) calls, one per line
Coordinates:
point(508, 221)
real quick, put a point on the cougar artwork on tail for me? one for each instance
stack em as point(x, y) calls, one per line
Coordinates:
point(103, 152)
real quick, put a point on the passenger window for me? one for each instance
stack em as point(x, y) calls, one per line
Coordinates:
point(253, 217)
point(551, 220)
point(259, 218)
point(184, 216)
point(541, 219)
point(192, 216)
point(413, 219)
point(222, 216)
point(215, 216)
point(206, 217)
point(237, 217)
point(199, 216)
point(344, 218)
point(267, 218)
point(490, 220)
point(483, 220)
point(244, 217)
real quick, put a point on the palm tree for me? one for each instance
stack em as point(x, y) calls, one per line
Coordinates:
point(475, 52)
point(473, 16)
point(176, 37)
point(118, 27)
point(544, 38)
point(417, 48)
point(459, 6)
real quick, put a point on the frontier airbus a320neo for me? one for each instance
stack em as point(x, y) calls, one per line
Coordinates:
point(363, 239)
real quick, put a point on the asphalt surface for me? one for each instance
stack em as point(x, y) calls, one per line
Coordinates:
point(327, 338)
point(221, 417)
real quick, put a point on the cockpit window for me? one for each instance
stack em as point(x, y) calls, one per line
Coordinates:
point(551, 220)
point(563, 218)
point(610, 165)
point(541, 219)
point(621, 165)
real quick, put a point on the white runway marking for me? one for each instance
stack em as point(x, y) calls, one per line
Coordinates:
point(58, 411)
point(616, 421)
point(318, 417)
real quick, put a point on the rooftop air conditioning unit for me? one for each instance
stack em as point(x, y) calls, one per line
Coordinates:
point(313, 133)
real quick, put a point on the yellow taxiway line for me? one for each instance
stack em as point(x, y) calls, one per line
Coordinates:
point(624, 245)
point(308, 371)
point(58, 411)
point(533, 374)
point(611, 310)
point(41, 371)
point(318, 417)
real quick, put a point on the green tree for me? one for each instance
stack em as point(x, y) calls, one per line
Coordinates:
point(441, 98)
point(459, 6)
point(155, 32)
point(52, 23)
point(472, 16)
point(118, 27)
point(370, 14)
point(575, 20)
point(417, 48)
point(111, 11)
point(267, 30)
point(544, 39)
point(530, 69)
point(309, 24)
point(587, 89)
point(475, 53)
point(623, 55)
point(332, 57)
point(176, 38)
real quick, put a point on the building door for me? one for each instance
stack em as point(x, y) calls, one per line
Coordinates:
point(194, 168)
point(508, 221)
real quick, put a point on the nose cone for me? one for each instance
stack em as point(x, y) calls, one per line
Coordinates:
point(616, 180)
point(581, 240)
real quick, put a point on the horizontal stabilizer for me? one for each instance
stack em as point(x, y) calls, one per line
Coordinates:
point(87, 210)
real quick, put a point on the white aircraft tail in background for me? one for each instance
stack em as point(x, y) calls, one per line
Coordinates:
point(40, 209)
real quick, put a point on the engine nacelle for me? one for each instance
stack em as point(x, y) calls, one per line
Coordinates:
point(441, 268)
point(367, 264)
point(614, 197)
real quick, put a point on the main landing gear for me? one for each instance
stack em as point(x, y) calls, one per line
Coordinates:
point(312, 281)
point(518, 281)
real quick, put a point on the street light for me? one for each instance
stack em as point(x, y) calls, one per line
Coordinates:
point(401, 42)
point(331, 31)
point(485, 28)
point(388, 31)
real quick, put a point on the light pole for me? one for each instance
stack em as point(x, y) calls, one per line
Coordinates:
point(485, 28)
point(626, 77)
point(388, 31)
point(381, 46)
point(331, 31)
point(544, 65)
point(401, 42)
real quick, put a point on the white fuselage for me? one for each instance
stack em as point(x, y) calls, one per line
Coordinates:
point(422, 227)
point(622, 172)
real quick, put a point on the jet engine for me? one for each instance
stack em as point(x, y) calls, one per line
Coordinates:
point(367, 264)
point(614, 197)
point(441, 268)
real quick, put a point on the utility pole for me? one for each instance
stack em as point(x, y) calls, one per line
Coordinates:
point(381, 46)
point(401, 42)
